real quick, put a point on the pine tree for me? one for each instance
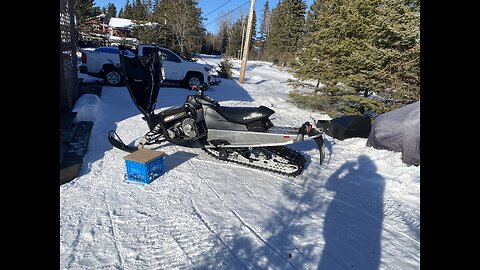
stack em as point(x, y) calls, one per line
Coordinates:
point(120, 13)
point(253, 37)
point(395, 43)
point(254, 28)
point(96, 11)
point(139, 11)
point(111, 11)
point(312, 16)
point(265, 23)
point(286, 31)
point(328, 53)
point(360, 47)
point(84, 9)
point(127, 10)
point(223, 36)
point(225, 68)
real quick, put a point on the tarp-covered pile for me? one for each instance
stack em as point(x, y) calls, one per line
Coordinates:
point(399, 131)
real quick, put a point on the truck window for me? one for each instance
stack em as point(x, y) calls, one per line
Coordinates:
point(168, 56)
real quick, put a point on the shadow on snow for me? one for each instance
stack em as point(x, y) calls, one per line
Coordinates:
point(351, 229)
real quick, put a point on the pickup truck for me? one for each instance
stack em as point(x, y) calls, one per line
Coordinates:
point(104, 62)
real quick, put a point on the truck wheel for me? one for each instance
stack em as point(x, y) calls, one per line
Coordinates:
point(113, 77)
point(193, 79)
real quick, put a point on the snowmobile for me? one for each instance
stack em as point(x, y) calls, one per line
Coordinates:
point(242, 135)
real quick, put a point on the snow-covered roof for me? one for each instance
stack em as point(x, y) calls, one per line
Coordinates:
point(127, 23)
point(120, 23)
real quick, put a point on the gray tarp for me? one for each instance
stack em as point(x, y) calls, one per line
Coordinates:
point(398, 131)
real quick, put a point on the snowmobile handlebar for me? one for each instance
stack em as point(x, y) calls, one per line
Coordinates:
point(200, 92)
point(201, 87)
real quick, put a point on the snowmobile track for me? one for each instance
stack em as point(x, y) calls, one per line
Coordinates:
point(293, 157)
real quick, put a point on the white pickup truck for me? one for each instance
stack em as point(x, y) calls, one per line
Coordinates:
point(104, 62)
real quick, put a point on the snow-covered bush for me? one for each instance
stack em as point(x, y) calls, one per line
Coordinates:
point(225, 68)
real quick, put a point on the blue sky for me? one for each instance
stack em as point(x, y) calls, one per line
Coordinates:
point(208, 6)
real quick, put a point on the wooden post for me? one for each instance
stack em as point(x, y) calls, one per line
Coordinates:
point(243, 38)
point(248, 36)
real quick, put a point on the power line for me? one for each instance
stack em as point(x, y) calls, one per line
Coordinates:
point(227, 13)
point(218, 8)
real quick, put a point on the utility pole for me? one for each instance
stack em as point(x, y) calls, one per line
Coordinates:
point(243, 38)
point(248, 36)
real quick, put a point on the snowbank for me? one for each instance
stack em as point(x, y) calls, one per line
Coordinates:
point(88, 107)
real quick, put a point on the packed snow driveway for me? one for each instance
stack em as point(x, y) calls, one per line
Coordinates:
point(359, 210)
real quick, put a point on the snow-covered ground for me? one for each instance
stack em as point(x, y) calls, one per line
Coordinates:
point(359, 210)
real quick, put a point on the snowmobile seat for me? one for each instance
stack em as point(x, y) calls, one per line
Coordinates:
point(244, 115)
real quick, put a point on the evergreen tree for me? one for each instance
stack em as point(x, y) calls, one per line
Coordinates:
point(223, 36)
point(210, 44)
point(342, 31)
point(96, 11)
point(127, 10)
point(286, 31)
point(225, 68)
point(312, 16)
point(139, 11)
point(84, 9)
point(360, 47)
point(234, 45)
point(265, 23)
point(253, 37)
point(111, 11)
point(120, 13)
point(254, 29)
point(395, 45)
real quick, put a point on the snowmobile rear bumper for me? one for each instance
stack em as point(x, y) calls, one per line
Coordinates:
point(316, 135)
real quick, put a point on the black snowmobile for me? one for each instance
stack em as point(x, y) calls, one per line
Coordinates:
point(243, 135)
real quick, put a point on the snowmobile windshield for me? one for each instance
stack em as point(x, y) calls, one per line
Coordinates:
point(142, 77)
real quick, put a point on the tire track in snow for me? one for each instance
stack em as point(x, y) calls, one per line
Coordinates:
point(204, 220)
point(250, 228)
point(115, 238)
point(164, 237)
point(191, 235)
point(260, 237)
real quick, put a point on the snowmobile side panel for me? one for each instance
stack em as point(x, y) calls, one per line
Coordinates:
point(273, 137)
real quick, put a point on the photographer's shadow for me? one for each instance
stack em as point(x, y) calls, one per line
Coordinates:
point(353, 222)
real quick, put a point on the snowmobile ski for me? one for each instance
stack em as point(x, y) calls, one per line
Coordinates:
point(116, 142)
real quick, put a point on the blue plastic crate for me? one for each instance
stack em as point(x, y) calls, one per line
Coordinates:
point(144, 165)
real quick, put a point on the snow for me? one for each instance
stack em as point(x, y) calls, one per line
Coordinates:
point(359, 210)
point(88, 106)
point(120, 23)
